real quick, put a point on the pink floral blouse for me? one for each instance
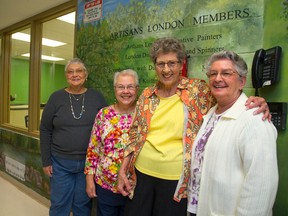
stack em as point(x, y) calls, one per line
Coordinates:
point(105, 152)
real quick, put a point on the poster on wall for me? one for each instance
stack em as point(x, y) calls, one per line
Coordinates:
point(124, 30)
point(15, 168)
point(92, 11)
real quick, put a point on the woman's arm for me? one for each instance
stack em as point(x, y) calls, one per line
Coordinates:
point(260, 102)
point(124, 186)
point(258, 153)
point(90, 186)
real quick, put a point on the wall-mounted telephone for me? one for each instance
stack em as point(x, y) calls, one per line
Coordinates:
point(278, 111)
point(265, 67)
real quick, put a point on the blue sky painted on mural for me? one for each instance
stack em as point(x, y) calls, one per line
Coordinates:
point(108, 6)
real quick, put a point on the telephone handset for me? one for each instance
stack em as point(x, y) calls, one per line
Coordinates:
point(265, 67)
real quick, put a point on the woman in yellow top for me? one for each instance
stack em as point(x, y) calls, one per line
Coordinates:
point(167, 118)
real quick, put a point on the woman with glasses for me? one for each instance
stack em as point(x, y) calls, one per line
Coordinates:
point(106, 147)
point(65, 129)
point(234, 164)
point(167, 118)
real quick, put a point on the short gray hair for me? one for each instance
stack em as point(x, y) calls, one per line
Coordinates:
point(76, 61)
point(126, 72)
point(166, 45)
point(238, 62)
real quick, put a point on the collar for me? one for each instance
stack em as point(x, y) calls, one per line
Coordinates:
point(234, 111)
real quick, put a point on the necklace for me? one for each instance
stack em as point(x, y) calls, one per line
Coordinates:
point(77, 99)
point(82, 107)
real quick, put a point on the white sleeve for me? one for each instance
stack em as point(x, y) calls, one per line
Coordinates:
point(258, 152)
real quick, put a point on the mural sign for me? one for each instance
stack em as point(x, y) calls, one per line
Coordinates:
point(15, 168)
point(123, 35)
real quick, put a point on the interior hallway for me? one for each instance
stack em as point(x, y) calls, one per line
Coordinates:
point(14, 199)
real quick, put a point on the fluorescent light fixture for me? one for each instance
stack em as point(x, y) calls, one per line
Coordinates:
point(45, 41)
point(69, 18)
point(44, 57)
point(51, 43)
point(21, 36)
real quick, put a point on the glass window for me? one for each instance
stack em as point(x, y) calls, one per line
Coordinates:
point(0, 57)
point(57, 49)
point(19, 77)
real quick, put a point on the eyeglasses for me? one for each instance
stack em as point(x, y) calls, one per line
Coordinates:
point(225, 74)
point(122, 88)
point(170, 64)
point(77, 71)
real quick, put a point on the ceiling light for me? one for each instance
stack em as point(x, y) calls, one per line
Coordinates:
point(45, 41)
point(69, 18)
point(44, 57)
point(51, 43)
point(21, 36)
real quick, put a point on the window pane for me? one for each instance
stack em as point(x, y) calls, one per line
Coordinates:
point(19, 77)
point(0, 57)
point(60, 45)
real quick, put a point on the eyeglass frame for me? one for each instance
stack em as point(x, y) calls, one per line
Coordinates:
point(77, 71)
point(161, 65)
point(224, 74)
point(123, 88)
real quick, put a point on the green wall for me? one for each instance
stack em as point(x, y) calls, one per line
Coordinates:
point(52, 79)
point(19, 81)
point(276, 33)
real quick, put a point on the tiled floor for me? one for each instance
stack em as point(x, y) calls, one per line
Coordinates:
point(14, 202)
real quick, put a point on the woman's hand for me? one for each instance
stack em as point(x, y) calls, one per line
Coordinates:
point(124, 186)
point(90, 186)
point(260, 102)
point(48, 170)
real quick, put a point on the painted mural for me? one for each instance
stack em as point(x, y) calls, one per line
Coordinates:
point(114, 35)
point(20, 158)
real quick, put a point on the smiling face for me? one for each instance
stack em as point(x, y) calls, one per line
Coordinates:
point(126, 90)
point(168, 69)
point(76, 75)
point(225, 83)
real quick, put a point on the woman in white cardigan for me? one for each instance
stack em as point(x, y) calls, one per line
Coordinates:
point(234, 164)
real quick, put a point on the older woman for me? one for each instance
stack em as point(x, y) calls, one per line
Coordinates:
point(65, 129)
point(234, 164)
point(106, 147)
point(167, 119)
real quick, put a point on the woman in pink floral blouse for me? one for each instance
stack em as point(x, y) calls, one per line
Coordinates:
point(106, 147)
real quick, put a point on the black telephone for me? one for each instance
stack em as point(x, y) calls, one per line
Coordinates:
point(265, 67)
point(278, 111)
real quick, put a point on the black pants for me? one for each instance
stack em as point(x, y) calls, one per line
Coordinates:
point(154, 197)
point(109, 203)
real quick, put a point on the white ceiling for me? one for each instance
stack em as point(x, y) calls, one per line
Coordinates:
point(13, 11)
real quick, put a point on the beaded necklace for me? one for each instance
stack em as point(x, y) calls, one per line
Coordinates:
point(82, 107)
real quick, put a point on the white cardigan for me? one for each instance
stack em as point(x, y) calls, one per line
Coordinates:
point(240, 173)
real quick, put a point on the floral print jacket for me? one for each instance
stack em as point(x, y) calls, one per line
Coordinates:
point(197, 99)
point(105, 152)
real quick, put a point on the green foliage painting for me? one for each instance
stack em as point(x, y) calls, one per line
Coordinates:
point(122, 35)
